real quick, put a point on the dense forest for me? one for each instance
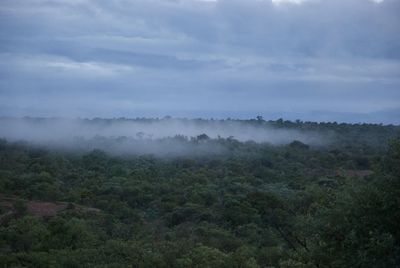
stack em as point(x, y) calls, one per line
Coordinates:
point(329, 201)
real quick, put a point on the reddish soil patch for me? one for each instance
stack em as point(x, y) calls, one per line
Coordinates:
point(354, 173)
point(44, 209)
point(40, 209)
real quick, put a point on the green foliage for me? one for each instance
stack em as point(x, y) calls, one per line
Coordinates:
point(203, 256)
point(24, 234)
point(258, 205)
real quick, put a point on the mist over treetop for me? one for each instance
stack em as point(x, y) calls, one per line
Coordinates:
point(180, 136)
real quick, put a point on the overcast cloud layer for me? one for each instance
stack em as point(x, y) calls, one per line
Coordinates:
point(325, 60)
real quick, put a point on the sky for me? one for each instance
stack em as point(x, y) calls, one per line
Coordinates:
point(318, 60)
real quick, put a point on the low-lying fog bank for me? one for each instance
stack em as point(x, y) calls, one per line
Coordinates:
point(148, 136)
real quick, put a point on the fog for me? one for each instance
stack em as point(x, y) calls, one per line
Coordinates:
point(148, 136)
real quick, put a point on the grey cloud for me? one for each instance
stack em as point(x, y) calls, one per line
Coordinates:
point(117, 57)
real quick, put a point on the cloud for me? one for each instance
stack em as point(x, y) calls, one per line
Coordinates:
point(62, 67)
point(288, 1)
point(209, 58)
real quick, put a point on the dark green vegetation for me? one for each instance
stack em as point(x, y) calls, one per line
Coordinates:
point(257, 205)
